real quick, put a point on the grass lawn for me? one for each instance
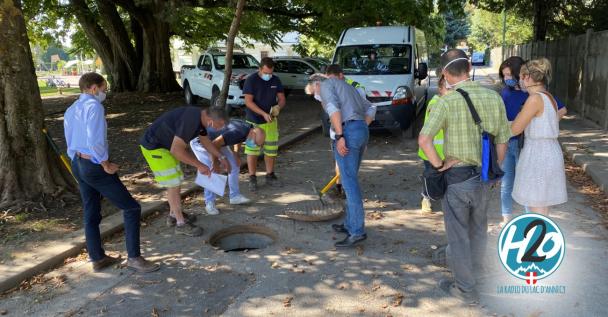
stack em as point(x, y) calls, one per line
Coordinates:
point(48, 91)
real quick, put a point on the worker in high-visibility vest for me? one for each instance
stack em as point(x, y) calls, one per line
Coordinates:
point(437, 140)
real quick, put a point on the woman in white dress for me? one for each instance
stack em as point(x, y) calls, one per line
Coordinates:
point(540, 177)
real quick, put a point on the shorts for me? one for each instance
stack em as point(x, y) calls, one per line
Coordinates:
point(166, 168)
point(271, 144)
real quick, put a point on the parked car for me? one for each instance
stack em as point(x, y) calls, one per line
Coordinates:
point(205, 79)
point(391, 63)
point(294, 71)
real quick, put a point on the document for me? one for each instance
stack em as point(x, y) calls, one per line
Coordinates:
point(216, 183)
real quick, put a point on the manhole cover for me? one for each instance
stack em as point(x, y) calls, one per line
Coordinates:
point(314, 211)
point(242, 238)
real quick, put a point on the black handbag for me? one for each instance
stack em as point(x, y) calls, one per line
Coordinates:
point(434, 184)
point(490, 169)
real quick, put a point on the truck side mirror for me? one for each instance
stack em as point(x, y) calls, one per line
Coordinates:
point(309, 71)
point(422, 72)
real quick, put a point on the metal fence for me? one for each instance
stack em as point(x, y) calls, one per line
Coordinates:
point(580, 71)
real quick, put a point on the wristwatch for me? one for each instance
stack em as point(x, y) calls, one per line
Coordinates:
point(339, 136)
point(439, 167)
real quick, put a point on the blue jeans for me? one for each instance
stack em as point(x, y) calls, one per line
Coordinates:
point(94, 183)
point(356, 134)
point(506, 185)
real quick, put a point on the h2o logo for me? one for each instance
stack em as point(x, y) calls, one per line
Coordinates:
point(531, 247)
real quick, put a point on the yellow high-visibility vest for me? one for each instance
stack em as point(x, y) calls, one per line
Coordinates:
point(438, 139)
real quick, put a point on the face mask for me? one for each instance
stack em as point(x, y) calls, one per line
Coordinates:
point(522, 86)
point(449, 86)
point(250, 143)
point(511, 82)
point(266, 77)
point(318, 98)
point(101, 96)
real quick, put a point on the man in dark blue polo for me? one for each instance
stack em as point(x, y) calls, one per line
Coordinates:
point(264, 99)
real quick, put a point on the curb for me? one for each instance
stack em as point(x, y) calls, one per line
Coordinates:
point(588, 163)
point(53, 253)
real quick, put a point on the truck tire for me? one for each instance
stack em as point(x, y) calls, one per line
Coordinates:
point(215, 93)
point(191, 99)
point(325, 125)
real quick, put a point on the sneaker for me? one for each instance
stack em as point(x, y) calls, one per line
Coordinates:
point(253, 183)
point(426, 205)
point(450, 288)
point(189, 229)
point(272, 180)
point(105, 262)
point(211, 210)
point(142, 265)
point(239, 200)
point(171, 221)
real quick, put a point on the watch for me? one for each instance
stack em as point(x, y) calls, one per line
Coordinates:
point(339, 136)
point(439, 167)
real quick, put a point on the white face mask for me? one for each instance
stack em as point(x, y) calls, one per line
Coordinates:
point(101, 96)
point(449, 86)
point(318, 98)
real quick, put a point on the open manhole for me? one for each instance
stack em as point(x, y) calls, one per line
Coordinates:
point(242, 238)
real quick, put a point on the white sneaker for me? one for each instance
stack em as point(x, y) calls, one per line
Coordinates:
point(239, 200)
point(211, 210)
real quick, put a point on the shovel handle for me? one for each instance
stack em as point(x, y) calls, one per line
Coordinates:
point(331, 183)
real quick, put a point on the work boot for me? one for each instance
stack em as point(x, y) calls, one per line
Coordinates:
point(272, 180)
point(189, 229)
point(253, 183)
point(105, 262)
point(171, 221)
point(142, 265)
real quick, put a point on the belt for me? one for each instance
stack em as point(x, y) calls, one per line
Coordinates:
point(84, 156)
point(349, 121)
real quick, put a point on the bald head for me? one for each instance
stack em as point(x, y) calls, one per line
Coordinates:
point(455, 62)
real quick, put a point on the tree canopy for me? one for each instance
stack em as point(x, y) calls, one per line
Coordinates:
point(132, 36)
point(485, 34)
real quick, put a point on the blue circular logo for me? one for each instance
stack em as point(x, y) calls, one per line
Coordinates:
point(531, 247)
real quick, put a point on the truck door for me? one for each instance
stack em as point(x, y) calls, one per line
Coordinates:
point(206, 78)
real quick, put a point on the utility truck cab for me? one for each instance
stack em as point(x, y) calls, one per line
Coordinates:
point(391, 63)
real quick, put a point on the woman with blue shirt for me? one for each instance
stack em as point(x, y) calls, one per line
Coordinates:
point(514, 98)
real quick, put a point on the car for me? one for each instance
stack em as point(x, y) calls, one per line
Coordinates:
point(205, 79)
point(390, 62)
point(294, 71)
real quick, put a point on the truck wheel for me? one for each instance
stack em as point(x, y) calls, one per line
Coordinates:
point(191, 98)
point(214, 95)
point(325, 125)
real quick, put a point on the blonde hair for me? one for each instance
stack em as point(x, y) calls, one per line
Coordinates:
point(538, 69)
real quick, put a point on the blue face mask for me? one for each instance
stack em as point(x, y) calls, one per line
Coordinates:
point(511, 82)
point(266, 77)
point(250, 143)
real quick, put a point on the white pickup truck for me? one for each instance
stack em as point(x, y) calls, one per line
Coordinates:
point(205, 79)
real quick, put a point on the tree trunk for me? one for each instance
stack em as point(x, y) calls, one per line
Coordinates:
point(234, 29)
point(156, 73)
point(541, 19)
point(29, 170)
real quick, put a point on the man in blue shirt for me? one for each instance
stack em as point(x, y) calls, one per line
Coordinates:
point(228, 141)
point(264, 99)
point(86, 137)
point(348, 112)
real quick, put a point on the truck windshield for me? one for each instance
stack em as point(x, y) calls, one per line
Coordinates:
point(238, 61)
point(389, 59)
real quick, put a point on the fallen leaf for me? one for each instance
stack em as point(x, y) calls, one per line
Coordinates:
point(275, 265)
point(375, 287)
point(359, 250)
point(155, 312)
point(398, 298)
point(287, 301)
point(414, 251)
point(290, 250)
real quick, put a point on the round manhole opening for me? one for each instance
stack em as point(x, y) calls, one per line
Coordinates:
point(242, 238)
